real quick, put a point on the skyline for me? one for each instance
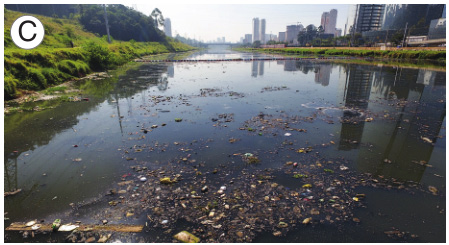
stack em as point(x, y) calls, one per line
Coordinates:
point(194, 24)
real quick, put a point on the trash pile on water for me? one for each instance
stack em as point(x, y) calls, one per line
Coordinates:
point(242, 204)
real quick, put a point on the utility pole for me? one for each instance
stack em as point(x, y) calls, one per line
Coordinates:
point(405, 34)
point(106, 21)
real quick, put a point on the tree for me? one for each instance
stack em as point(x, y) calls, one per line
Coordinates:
point(256, 44)
point(397, 37)
point(319, 31)
point(157, 17)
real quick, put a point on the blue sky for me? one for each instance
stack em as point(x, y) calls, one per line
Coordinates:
point(209, 21)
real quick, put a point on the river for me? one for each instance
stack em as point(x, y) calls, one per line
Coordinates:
point(336, 120)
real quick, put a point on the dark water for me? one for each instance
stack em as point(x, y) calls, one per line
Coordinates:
point(407, 106)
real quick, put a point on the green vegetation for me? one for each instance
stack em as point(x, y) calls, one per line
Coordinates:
point(56, 61)
point(392, 54)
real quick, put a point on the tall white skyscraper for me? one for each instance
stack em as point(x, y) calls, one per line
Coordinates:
point(263, 24)
point(329, 21)
point(256, 29)
point(167, 27)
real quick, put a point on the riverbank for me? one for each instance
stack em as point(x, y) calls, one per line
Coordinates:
point(399, 54)
point(68, 52)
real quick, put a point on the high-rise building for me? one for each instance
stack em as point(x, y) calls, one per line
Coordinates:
point(337, 33)
point(263, 24)
point(248, 38)
point(167, 27)
point(329, 21)
point(270, 37)
point(369, 17)
point(281, 36)
point(291, 35)
point(256, 29)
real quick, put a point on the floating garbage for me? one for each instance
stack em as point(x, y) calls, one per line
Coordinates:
point(178, 119)
point(143, 179)
point(433, 189)
point(31, 223)
point(167, 180)
point(307, 220)
point(287, 134)
point(36, 227)
point(185, 236)
point(67, 227)
point(56, 224)
point(248, 155)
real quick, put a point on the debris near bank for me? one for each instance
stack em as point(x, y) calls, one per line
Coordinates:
point(18, 226)
point(12, 193)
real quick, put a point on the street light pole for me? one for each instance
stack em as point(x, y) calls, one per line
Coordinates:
point(106, 21)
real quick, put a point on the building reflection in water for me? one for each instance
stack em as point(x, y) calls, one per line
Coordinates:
point(322, 70)
point(415, 111)
point(257, 68)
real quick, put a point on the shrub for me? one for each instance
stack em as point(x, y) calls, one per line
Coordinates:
point(35, 79)
point(10, 87)
point(99, 56)
point(54, 76)
point(74, 68)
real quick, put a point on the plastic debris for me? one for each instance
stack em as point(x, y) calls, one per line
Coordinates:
point(185, 236)
point(31, 223)
point(307, 220)
point(36, 227)
point(287, 134)
point(282, 225)
point(433, 189)
point(166, 180)
point(143, 179)
point(56, 224)
point(67, 227)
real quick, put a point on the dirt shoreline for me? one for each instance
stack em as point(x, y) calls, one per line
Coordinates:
point(35, 96)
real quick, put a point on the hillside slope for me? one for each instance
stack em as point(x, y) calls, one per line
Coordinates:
point(56, 61)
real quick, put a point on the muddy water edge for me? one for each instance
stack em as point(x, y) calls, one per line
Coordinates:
point(261, 151)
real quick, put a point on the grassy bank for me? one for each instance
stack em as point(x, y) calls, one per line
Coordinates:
point(389, 54)
point(67, 52)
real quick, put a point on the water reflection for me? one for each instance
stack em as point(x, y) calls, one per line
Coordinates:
point(257, 68)
point(322, 70)
point(406, 103)
point(418, 112)
point(27, 131)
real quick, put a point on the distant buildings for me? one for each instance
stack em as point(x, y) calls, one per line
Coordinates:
point(167, 27)
point(329, 21)
point(259, 30)
point(281, 36)
point(291, 35)
point(263, 25)
point(337, 33)
point(256, 29)
point(248, 38)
